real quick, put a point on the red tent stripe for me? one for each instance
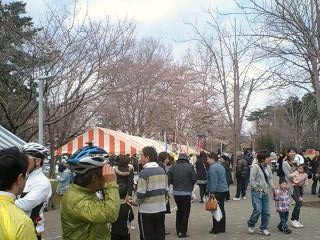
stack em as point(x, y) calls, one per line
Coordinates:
point(80, 141)
point(69, 147)
point(112, 144)
point(101, 138)
point(90, 135)
point(122, 147)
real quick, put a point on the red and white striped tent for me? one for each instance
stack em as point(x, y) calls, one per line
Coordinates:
point(114, 142)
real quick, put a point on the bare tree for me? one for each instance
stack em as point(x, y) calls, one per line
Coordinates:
point(289, 34)
point(144, 77)
point(83, 56)
point(230, 70)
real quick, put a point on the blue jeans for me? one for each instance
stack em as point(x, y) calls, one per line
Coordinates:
point(260, 204)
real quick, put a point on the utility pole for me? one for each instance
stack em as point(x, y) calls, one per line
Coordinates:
point(41, 80)
point(236, 114)
point(41, 110)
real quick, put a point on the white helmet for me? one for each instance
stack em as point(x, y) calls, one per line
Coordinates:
point(35, 149)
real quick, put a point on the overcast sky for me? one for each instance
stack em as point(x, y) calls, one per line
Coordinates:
point(162, 19)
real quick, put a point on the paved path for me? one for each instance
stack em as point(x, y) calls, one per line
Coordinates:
point(200, 222)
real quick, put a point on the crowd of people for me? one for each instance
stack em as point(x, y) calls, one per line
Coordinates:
point(98, 199)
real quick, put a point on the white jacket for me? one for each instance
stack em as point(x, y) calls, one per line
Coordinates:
point(35, 197)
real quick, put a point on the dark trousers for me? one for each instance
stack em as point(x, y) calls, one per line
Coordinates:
point(151, 226)
point(203, 190)
point(283, 226)
point(183, 212)
point(247, 180)
point(220, 226)
point(39, 235)
point(228, 195)
point(314, 185)
point(120, 237)
point(297, 192)
point(241, 187)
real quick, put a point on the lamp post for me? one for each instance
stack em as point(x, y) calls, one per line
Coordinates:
point(41, 107)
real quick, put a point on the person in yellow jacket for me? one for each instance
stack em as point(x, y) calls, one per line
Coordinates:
point(87, 212)
point(14, 223)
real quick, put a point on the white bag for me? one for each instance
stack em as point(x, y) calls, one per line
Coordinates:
point(217, 214)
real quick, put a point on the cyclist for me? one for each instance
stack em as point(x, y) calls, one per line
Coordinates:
point(37, 191)
point(84, 213)
point(14, 223)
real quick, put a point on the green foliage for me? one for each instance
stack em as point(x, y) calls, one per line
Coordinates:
point(265, 142)
point(293, 122)
point(261, 115)
point(17, 65)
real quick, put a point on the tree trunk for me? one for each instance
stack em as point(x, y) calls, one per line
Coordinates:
point(315, 83)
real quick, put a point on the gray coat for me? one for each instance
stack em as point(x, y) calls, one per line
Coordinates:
point(287, 169)
point(258, 181)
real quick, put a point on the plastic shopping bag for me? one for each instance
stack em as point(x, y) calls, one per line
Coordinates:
point(217, 214)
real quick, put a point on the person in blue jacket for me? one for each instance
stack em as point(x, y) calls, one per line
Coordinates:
point(217, 187)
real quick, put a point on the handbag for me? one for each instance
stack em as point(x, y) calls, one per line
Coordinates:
point(211, 204)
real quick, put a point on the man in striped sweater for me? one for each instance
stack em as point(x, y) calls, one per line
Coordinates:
point(151, 196)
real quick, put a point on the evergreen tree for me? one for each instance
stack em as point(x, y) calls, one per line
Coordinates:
point(18, 62)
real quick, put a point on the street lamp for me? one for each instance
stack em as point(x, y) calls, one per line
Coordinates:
point(41, 108)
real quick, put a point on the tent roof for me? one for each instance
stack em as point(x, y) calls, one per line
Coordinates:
point(8, 139)
point(114, 142)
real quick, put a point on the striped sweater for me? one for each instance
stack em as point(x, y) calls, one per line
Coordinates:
point(152, 189)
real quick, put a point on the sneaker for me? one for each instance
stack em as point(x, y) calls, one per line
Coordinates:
point(264, 232)
point(295, 224)
point(287, 231)
point(236, 199)
point(250, 230)
point(299, 224)
point(244, 198)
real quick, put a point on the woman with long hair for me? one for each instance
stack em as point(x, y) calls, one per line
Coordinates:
point(202, 174)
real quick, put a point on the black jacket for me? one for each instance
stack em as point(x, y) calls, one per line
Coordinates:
point(315, 164)
point(280, 171)
point(202, 170)
point(125, 178)
point(182, 176)
point(120, 227)
point(242, 168)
